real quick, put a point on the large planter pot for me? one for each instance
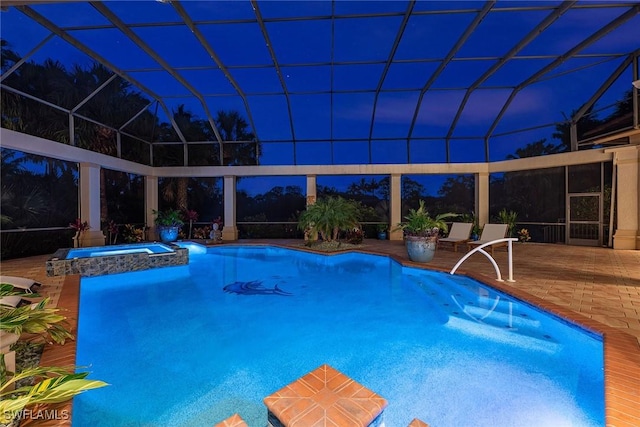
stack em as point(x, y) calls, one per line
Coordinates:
point(168, 234)
point(421, 249)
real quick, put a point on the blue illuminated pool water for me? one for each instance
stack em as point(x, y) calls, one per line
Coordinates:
point(136, 248)
point(180, 351)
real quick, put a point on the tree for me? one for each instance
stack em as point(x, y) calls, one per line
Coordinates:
point(457, 194)
point(233, 127)
point(537, 148)
point(563, 130)
point(411, 189)
point(113, 105)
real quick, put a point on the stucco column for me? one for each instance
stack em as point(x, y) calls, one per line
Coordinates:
point(626, 160)
point(395, 194)
point(90, 204)
point(230, 230)
point(482, 198)
point(150, 205)
point(311, 190)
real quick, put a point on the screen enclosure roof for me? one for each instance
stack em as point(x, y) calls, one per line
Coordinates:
point(452, 74)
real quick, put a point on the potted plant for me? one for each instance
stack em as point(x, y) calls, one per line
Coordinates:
point(382, 231)
point(421, 232)
point(168, 223)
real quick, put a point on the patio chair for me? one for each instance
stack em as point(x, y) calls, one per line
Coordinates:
point(11, 300)
point(27, 285)
point(459, 233)
point(491, 232)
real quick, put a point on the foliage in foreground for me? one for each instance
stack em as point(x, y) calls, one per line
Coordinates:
point(56, 385)
point(32, 319)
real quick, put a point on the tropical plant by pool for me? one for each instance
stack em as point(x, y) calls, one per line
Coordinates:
point(54, 384)
point(328, 216)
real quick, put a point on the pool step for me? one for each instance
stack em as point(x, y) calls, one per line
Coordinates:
point(525, 338)
point(478, 311)
point(500, 316)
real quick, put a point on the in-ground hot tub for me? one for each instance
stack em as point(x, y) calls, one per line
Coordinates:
point(99, 260)
point(97, 251)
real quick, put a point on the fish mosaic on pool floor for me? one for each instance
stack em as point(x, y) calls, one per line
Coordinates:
point(253, 287)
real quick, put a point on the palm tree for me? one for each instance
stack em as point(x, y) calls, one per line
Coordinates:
point(329, 216)
point(233, 127)
point(175, 190)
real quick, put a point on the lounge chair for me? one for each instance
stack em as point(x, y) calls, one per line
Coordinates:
point(491, 232)
point(29, 286)
point(459, 233)
point(11, 301)
point(20, 285)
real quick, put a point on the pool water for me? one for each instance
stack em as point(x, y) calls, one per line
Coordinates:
point(192, 345)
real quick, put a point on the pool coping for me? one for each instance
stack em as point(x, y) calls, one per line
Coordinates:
point(621, 350)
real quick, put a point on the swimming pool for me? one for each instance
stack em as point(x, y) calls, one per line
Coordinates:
point(450, 351)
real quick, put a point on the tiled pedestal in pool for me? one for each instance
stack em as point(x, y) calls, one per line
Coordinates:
point(233, 421)
point(327, 395)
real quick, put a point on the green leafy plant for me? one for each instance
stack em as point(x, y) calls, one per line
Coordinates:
point(329, 216)
point(509, 218)
point(55, 385)
point(419, 223)
point(169, 218)
point(382, 228)
point(33, 319)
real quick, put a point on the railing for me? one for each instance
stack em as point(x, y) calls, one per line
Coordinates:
point(288, 229)
point(24, 242)
point(508, 240)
